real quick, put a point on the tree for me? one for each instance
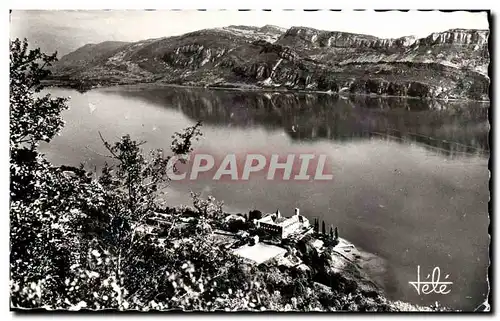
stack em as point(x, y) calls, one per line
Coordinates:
point(75, 241)
point(331, 232)
point(323, 228)
point(336, 234)
point(132, 188)
point(208, 209)
point(255, 215)
point(51, 211)
point(316, 225)
point(43, 203)
point(32, 119)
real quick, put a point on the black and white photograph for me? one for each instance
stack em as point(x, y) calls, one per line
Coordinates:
point(250, 160)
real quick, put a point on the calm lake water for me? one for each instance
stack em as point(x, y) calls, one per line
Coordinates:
point(410, 177)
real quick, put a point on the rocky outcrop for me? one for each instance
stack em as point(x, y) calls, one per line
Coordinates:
point(322, 38)
point(461, 37)
point(192, 56)
point(446, 65)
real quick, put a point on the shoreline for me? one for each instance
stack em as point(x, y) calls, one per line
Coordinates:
point(252, 88)
point(365, 268)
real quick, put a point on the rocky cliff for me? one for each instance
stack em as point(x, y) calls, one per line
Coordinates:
point(450, 64)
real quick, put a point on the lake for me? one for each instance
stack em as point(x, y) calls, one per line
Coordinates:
point(410, 177)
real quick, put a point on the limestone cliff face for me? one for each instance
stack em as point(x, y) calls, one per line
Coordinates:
point(322, 38)
point(449, 64)
point(193, 56)
point(461, 37)
point(319, 38)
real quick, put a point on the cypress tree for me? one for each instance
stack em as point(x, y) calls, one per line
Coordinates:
point(323, 227)
point(336, 233)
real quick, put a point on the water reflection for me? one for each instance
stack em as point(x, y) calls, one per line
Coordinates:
point(452, 128)
point(408, 204)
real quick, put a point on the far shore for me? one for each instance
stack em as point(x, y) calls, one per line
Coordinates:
point(254, 88)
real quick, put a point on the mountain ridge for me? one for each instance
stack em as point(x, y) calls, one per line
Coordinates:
point(452, 64)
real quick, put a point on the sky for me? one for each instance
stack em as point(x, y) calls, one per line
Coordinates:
point(65, 31)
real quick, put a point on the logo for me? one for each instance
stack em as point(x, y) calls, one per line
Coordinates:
point(233, 167)
point(432, 284)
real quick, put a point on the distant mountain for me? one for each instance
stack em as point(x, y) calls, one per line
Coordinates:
point(450, 64)
point(88, 56)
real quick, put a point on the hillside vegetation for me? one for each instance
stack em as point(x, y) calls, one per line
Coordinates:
point(447, 65)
